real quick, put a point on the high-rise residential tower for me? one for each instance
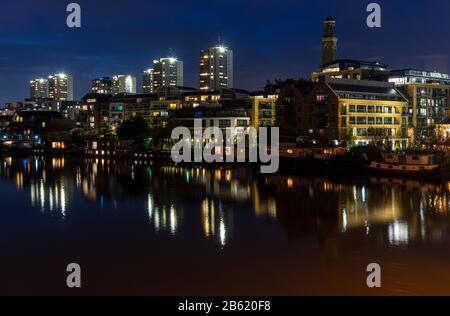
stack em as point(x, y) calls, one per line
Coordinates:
point(216, 68)
point(39, 88)
point(60, 87)
point(124, 84)
point(329, 41)
point(167, 72)
point(103, 85)
point(147, 81)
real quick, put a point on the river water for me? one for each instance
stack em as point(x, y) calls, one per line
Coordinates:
point(139, 229)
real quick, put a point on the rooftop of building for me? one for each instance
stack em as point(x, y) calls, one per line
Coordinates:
point(98, 97)
point(219, 47)
point(263, 93)
point(416, 70)
point(366, 87)
point(201, 92)
point(240, 91)
point(178, 88)
point(186, 88)
point(419, 72)
point(302, 85)
point(357, 64)
point(41, 113)
point(124, 97)
point(223, 91)
point(410, 75)
point(217, 110)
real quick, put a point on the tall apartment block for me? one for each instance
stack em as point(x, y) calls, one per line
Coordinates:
point(124, 84)
point(60, 87)
point(167, 72)
point(147, 81)
point(103, 85)
point(39, 88)
point(216, 68)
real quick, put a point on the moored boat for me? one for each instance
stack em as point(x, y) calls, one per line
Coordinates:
point(17, 148)
point(406, 164)
point(335, 159)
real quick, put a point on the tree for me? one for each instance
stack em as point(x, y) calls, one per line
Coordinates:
point(381, 138)
point(427, 138)
point(137, 129)
point(78, 136)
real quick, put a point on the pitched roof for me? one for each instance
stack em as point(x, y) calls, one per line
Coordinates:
point(378, 88)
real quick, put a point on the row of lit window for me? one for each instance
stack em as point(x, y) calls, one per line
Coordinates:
point(371, 109)
point(362, 120)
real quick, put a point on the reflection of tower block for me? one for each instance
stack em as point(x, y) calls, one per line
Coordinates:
point(217, 222)
point(329, 41)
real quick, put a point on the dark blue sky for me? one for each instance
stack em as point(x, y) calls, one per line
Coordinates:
point(270, 39)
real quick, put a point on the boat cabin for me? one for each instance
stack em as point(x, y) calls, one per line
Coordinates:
point(409, 159)
point(290, 150)
point(329, 152)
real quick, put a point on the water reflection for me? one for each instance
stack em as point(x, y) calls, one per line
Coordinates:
point(213, 202)
point(163, 217)
point(216, 221)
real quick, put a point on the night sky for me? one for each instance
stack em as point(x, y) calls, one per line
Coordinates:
point(270, 39)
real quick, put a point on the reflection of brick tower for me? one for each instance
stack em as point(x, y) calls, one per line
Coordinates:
point(329, 41)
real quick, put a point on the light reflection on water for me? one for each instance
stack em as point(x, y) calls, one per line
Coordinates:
point(403, 205)
point(407, 207)
point(226, 206)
